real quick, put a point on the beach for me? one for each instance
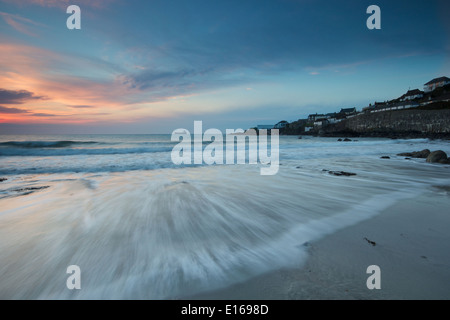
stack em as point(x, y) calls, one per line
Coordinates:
point(139, 227)
point(412, 251)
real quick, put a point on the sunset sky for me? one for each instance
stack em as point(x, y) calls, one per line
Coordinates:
point(154, 66)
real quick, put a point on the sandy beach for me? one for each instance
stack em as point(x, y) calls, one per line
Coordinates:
point(412, 243)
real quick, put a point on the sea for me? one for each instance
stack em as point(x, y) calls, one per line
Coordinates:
point(139, 226)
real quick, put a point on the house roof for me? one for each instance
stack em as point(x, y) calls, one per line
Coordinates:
point(413, 92)
point(437, 80)
point(348, 110)
point(316, 115)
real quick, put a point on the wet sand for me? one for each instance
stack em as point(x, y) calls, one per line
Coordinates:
point(410, 242)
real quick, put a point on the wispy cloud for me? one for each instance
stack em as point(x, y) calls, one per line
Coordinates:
point(39, 70)
point(17, 96)
point(21, 24)
point(24, 112)
point(82, 107)
point(43, 115)
point(46, 85)
point(6, 110)
point(315, 70)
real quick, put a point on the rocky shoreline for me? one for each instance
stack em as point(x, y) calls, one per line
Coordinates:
point(438, 156)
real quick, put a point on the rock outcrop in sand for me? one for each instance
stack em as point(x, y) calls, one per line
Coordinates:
point(416, 154)
point(438, 156)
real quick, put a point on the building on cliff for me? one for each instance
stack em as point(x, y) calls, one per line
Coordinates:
point(411, 95)
point(436, 83)
point(315, 117)
point(281, 125)
point(348, 111)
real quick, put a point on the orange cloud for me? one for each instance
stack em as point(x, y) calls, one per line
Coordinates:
point(64, 92)
point(37, 70)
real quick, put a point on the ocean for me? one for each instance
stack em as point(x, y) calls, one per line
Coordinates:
point(140, 227)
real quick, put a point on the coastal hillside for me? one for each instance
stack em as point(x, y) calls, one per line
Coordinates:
point(415, 114)
point(431, 121)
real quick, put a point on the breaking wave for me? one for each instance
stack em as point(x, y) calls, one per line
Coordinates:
point(44, 144)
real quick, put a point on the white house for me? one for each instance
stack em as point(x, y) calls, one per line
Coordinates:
point(320, 122)
point(281, 125)
point(348, 111)
point(411, 95)
point(436, 83)
point(315, 117)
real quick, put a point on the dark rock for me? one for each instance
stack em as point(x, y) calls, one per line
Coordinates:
point(342, 173)
point(444, 161)
point(437, 156)
point(30, 189)
point(373, 243)
point(407, 158)
point(347, 139)
point(422, 154)
point(385, 157)
point(339, 140)
point(446, 189)
point(3, 179)
point(300, 138)
point(416, 154)
point(405, 154)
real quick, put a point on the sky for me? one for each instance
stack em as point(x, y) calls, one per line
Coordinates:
point(157, 65)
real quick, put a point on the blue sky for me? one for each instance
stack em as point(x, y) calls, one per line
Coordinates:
point(155, 66)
